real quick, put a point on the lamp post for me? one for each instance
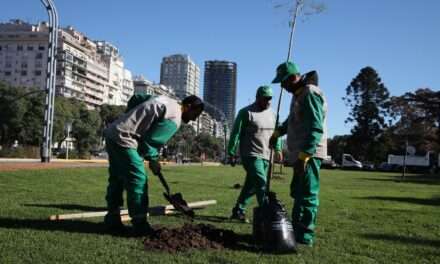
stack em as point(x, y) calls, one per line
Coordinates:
point(68, 127)
point(225, 131)
point(46, 150)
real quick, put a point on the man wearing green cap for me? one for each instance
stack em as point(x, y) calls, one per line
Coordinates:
point(252, 129)
point(307, 145)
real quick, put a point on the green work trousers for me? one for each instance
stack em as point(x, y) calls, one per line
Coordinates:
point(127, 171)
point(255, 182)
point(305, 190)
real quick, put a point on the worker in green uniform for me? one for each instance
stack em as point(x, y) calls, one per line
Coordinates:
point(148, 123)
point(252, 130)
point(307, 145)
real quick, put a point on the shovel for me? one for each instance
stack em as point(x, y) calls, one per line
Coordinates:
point(176, 199)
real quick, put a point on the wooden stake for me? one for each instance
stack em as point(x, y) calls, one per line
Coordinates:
point(153, 211)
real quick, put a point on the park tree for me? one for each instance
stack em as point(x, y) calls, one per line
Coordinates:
point(13, 108)
point(337, 146)
point(417, 118)
point(85, 130)
point(32, 132)
point(367, 97)
point(66, 111)
point(182, 141)
point(207, 144)
point(110, 113)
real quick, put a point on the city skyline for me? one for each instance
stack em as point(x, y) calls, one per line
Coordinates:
point(398, 39)
point(92, 70)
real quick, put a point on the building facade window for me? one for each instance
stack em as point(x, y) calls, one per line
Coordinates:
point(30, 48)
point(23, 73)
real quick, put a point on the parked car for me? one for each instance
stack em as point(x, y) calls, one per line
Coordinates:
point(99, 153)
point(368, 166)
point(384, 166)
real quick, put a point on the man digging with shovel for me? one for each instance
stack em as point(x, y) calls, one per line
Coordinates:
point(307, 145)
point(148, 123)
point(252, 129)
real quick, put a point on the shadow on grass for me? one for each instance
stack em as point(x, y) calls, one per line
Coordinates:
point(212, 218)
point(435, 201)
point(208, 218)
point(405, 240)
point(69, 207)
point(70, 226)
point(420, 179)
point(243, 242)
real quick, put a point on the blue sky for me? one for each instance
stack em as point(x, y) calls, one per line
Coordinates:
point(399, 38)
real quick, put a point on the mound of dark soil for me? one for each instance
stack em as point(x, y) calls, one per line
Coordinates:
point(190, 236)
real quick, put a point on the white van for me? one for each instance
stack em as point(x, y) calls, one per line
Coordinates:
point(348, 162)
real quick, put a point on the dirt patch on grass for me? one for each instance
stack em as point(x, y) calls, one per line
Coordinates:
point(189, 236)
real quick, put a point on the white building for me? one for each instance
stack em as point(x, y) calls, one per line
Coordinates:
point(127, 87)
point(181, 74)
point(206, 123)
point(141, 85)
point(23, 54)
point(120, 84)
point(91, 71)
point(81, 72)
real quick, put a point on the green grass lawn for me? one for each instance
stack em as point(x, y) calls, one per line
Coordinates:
point(364, 217)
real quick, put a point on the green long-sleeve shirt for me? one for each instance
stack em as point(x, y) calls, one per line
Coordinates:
point(146, 125)
point(305, 127)
point(251, 132)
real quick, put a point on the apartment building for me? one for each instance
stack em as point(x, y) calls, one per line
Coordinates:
point(181, 74)
point(91, 71)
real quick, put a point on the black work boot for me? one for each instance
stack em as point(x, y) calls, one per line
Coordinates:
point(239, 215)
point(141, 230)
point(113, 223)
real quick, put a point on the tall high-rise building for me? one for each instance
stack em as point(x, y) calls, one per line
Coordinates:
point(90, 71)
point(181, 74)
point(220, 86)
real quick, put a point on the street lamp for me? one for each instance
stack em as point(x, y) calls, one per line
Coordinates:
point(50, 80)
point(68, 128)
point(225, 131)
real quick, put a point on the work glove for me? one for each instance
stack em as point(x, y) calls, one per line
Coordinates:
point(274, 138)
point(232, 160)
point(155, 167)
point(301, 162)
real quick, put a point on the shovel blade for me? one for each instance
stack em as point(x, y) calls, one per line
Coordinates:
point(180, 204)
